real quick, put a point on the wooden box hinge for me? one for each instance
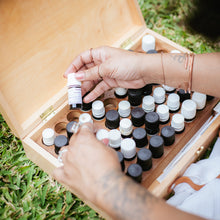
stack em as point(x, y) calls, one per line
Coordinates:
point(48, 114)
point(127, 44)
point(131, 41)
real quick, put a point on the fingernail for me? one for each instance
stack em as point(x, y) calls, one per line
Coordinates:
point(105, 141)
point(80, 75)
point(69, 70)
point(86, 99)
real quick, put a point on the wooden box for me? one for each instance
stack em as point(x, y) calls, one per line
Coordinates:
point(39, 39)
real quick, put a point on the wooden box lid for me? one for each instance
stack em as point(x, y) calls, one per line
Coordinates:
point(39, 39)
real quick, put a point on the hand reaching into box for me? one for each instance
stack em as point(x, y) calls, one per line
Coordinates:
point(92, 170)
point(86, 162)
point(104, 68)
point(107, 68)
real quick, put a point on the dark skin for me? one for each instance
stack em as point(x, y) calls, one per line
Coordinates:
point(105, 185)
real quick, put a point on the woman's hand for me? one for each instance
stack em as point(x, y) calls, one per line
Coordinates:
point(86, 162)
point(107, 68)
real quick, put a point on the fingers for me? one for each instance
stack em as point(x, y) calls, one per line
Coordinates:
point(70, 69)
point(84, 59)
point(87, 86)
point(86, 128)
point(61, 175)
point(58, 174)
point(93, 73)
point(97, 91)
point(84, 132)
point(105, 141)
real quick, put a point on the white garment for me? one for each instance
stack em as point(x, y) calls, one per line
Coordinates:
point(206, 201)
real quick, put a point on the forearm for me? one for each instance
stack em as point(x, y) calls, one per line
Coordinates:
point(205, 77)
point(122, 198)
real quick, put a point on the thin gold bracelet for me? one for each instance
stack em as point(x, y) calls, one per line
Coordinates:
point(162, 68)
point(189, 67)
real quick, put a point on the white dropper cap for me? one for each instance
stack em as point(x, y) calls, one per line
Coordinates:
point(148, 43)
point(175, 51)
point(178, 122)
point(168, 88)
point(85, 118)
point(128, 148)
point(148, 103)
point(124, 108)
point(114, 138)
point(173, 102)
point(163, 112)
point(98, 109)
point(159, 95)
point(48, 136)
point(199, 99)
point(72, 81)
point(188, 109)
point(121, 91)
point(125, 126)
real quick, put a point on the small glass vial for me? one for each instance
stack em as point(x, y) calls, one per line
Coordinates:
point(148, 103)
point(148, 43)
point(74, 92)
point(159, 95)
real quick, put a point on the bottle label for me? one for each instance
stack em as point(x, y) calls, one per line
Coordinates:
point(74, 96)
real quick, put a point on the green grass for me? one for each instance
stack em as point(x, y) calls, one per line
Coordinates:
point(26, 192)
point(167, 18)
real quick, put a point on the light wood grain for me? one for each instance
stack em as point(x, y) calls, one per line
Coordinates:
point(39, 156)
point(39, 39)
point(64, 115)
point(160, 189)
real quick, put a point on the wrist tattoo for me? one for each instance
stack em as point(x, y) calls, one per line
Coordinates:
point(126, 198)
point(178, 57)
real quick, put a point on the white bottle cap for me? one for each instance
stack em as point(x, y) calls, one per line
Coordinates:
point(188, 109)
point(148, 43)
point(85, 118)
point(128, 148)
point(177, 122)
point(159, 95)
point(98, 109)
point(125, 126)
point(148, 103)
point(173, 102)
point(102, 134)
point(114, 138)
point(163, 112)
point(168, 88)
point(199, 99)
point(72, 81)
point(48, 136)
point(121, 91)
point(124, 108)
point(175, 51)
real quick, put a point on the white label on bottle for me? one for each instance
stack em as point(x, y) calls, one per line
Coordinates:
point(74, 96)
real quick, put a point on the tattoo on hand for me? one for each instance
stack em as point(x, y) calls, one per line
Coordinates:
point(178, 57)
point(128, 199)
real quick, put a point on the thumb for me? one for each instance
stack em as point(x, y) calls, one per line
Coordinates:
point(93, 73)
point(87, 128)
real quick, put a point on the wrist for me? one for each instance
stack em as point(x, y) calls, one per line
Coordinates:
point(151, 68)
point(106, 185)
